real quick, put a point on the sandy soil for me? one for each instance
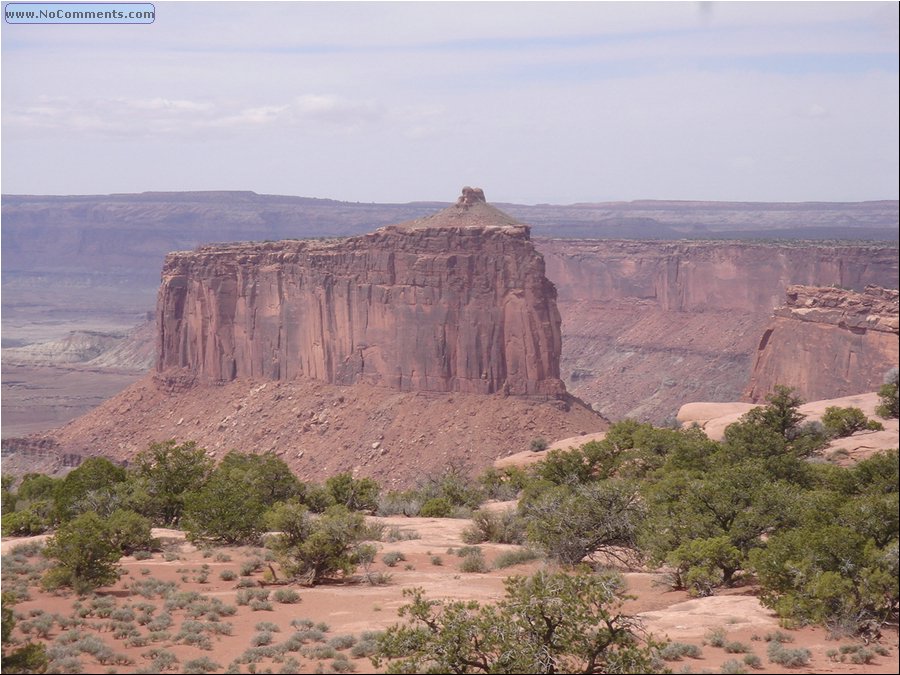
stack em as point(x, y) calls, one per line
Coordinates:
point(354, 606)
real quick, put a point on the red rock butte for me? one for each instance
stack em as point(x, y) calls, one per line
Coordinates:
point(455, 302)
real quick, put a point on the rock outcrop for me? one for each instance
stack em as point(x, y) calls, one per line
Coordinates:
point(456, 302)
point(827, 342)
point(649, 326)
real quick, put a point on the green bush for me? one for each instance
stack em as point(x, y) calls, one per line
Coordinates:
point(355, 494)
point(129, 531)
point(505, 527)
point(542, 619)
point(888, 406)
point(84, 553)
point(841, 422)
point(25, 523)
point(315, 548)
point(437, 507)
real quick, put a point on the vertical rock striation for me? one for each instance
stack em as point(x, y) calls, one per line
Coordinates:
point(454, 302)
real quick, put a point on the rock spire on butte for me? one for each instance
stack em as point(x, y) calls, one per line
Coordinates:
point(471, 210)
point(457, 301)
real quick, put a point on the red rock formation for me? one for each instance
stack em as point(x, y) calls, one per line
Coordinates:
point(651, 325)
point(827, 342)
point(455, 302)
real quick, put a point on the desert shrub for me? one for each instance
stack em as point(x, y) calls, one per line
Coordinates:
point(732, 666)
point(736, 647)
point(778, 636)
point(473, 562)
point(340, 642)
point(227, 575)
point(391, 558)
point(160, 659)
point(568, 523)
point(753, 661)
point(674, 651)
point(262, 639)
point(517, 557)
point(245, 595)
point(355, 494)
point(395, 533)
point(437, 561)
point(436, 507)
point(248, 567)
point(715, 637)
point(261, 605)
point(27, 658)
point(789, 658)
point(503, 484)
point(380, 578)
point(407, 503)
point(505, 527)
point(286, 596)
point(538, 444)
point(841, 422)
point(888, 406)
point(863, 655)
point(322, 652)
point(142, 555)
point(201, 665)
point(152, 587)
point(363, 648)
point(341, 664)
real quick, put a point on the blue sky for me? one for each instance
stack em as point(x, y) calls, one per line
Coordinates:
point(535, 102)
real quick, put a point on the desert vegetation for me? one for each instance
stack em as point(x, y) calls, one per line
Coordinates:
point(816, 542)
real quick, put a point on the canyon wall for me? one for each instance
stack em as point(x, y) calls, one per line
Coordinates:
point(649, 326)
point(426, 306)
point(828, 342)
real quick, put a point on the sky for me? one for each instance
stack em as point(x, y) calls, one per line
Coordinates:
point(535, 102)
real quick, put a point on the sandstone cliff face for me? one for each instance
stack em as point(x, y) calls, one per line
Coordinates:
point(452, 303)
point(828, 342)
point(649, 326)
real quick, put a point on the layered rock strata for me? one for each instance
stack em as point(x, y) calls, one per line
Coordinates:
point(457, 302)
point(650, 326)
point(827, 342)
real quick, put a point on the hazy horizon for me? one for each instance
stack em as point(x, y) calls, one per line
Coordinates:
point(556, 103)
